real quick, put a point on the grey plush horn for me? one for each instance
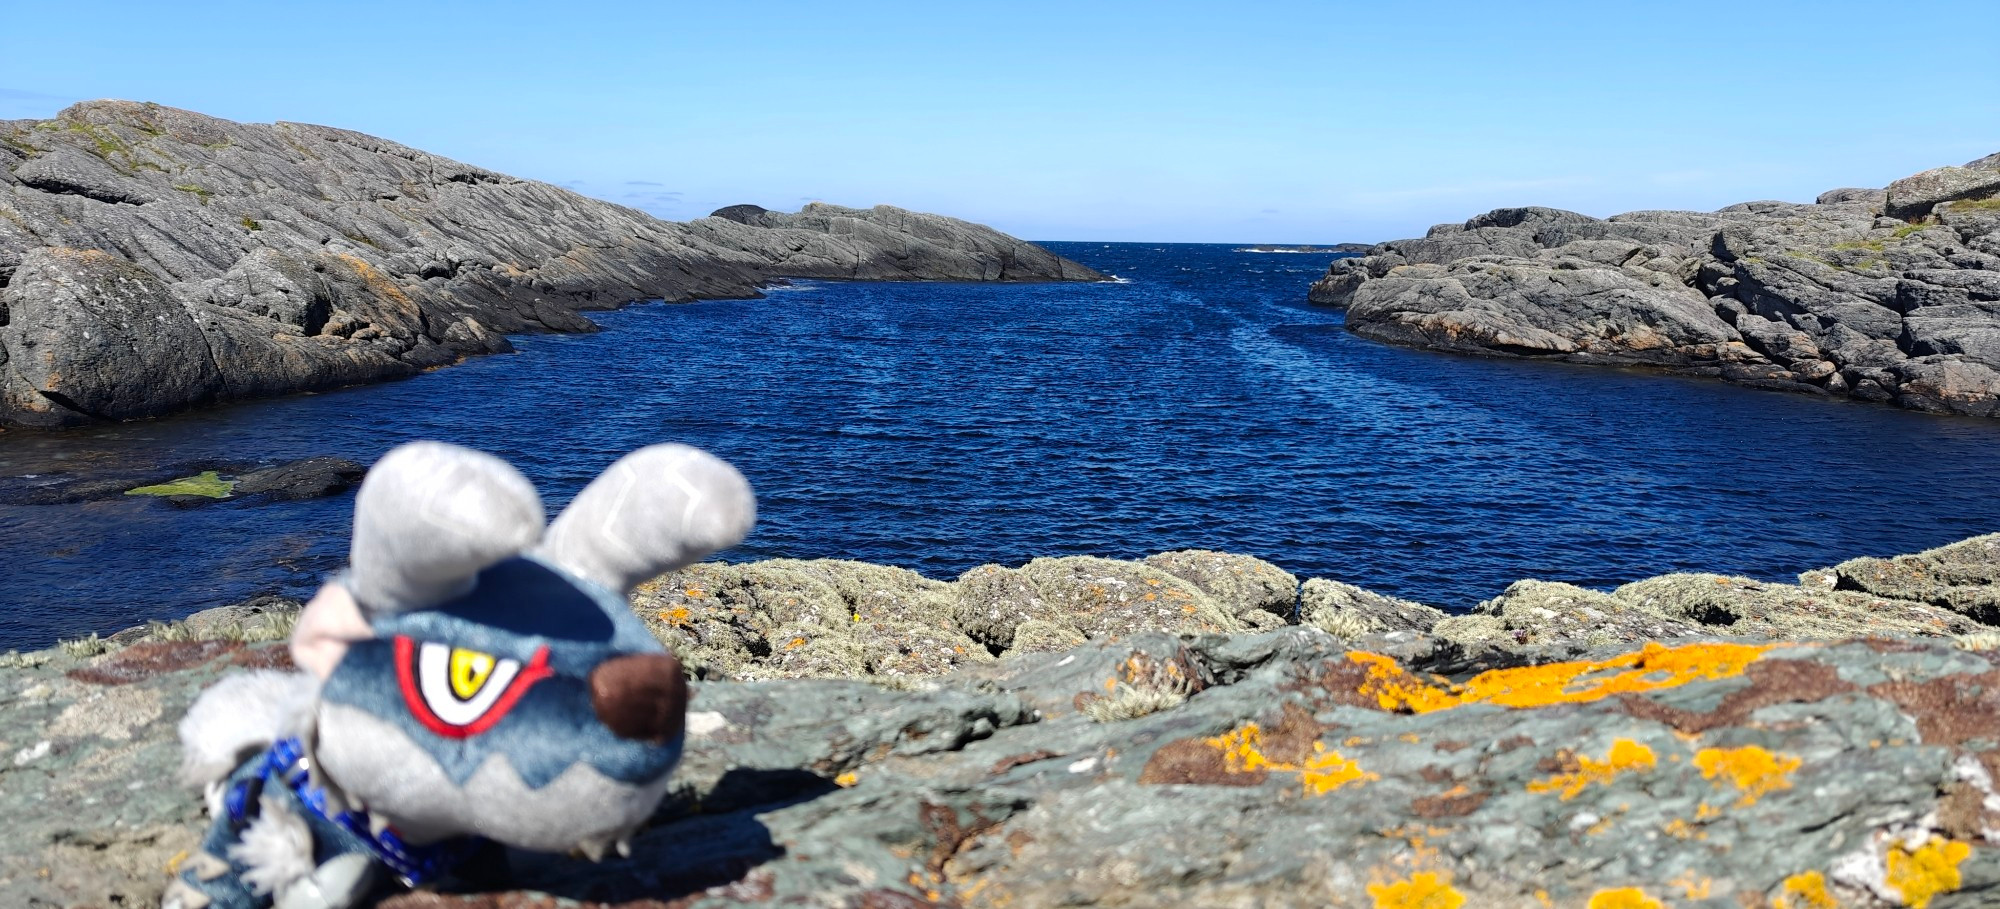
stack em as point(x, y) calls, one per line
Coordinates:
point(657, 509)
point(428, 517)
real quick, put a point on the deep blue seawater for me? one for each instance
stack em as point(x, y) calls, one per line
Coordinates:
point(939, 426)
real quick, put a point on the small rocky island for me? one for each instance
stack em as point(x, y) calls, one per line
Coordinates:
point(155, 259)
point(1880, 294)
point(1193, 729)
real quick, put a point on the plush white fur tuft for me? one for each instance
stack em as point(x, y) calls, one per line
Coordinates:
point(241, 714)
point(276, 847)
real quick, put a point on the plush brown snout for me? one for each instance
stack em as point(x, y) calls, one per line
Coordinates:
point(642, 697)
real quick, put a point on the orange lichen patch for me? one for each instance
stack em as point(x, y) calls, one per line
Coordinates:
point(1625, 756)
point(1623, 898)
point(847, 779)
point(1682, 830)
point(1240, 750)
point(1394, 688)
point(694, 592)
point(1693, 886)
point(1930, 870)
point(1326, 771)
point(1652, 668)
point(1805, 890)
point(1704, 811)
point(1754, 771)
point(375, 280)
point(1423, 890)
point(1247, 755)
point(677, 615)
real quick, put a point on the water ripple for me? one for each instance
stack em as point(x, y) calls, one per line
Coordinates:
point(939, 426)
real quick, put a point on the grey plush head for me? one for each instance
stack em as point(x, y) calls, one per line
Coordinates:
point(484, 677)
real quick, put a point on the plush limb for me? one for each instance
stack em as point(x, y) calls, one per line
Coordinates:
point(340, 883)
point(657, 509)
point(326, 626)
point(266, 847)
point(241, 715)
point(429, 517)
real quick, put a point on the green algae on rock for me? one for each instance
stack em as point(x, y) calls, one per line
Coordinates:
point(206, 484)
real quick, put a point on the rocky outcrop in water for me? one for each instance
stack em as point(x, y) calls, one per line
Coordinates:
point(190, 483)
point(1884, 295)
point(154, 259)
point(1671, 743)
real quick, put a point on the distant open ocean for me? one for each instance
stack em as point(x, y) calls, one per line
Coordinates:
point(1199, 403)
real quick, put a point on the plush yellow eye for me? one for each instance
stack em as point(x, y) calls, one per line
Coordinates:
point(457, 692)
point(469, 670)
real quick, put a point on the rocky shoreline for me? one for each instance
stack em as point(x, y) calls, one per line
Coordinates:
point(1196, 728)
point(1889, 295)
point(155, 259)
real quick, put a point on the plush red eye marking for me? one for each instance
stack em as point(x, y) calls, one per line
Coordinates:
point(459, 693)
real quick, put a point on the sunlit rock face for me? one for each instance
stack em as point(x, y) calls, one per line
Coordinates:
point(153, 259)
point(1885, 295)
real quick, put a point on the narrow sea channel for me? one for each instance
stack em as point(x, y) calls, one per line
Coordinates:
point(1201, 403)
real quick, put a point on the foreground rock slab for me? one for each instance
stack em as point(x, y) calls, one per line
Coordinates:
point(1299, 771)
point(154, 259)
point(1884, 295)
point(861, 736)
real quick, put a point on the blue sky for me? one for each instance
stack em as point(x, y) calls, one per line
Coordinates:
point(1225, 122)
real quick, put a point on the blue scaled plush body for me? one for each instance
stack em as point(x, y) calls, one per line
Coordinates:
point(472, 682)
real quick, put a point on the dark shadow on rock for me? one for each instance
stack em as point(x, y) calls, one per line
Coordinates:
point(685, 854)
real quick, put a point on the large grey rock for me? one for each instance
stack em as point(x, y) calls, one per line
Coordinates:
point(154, 259)
point(1914, 196)
point(1835, 297)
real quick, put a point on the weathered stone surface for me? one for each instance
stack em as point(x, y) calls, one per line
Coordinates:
point(1741, 606)
point(1667, 742)
point(885, 243)
point(1963, 577)
point(154, 259)
point(1914, 196)
point(1251, 589)
point(1884, 295)
point(1544, 612)
point(1301, 771)
point(1334, 607)
point(308, 478)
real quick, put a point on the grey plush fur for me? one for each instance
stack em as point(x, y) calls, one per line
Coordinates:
point(378, 765)
point(655, 510)
point(429, 517)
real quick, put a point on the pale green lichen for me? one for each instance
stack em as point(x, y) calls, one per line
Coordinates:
point(199, 192)
point(207, 483)
point(1978, 641)
point(1344, 625)
point(1130, 702)
point(83, 648)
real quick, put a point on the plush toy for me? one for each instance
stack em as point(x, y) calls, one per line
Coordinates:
point(470, 681)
